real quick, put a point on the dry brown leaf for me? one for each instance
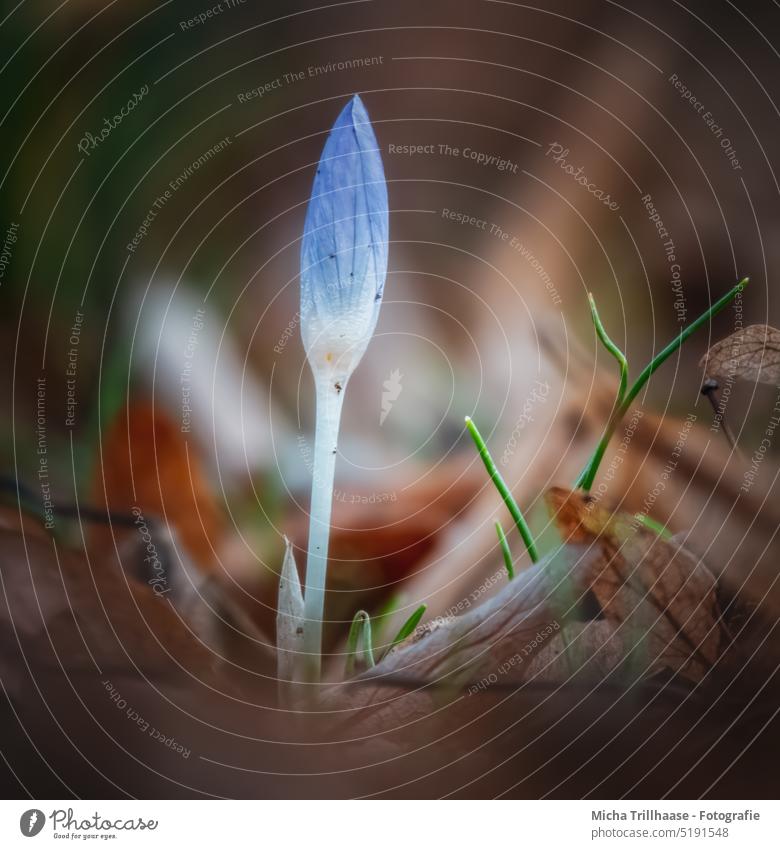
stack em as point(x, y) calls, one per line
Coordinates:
point(657, 602)
point(487, 644)
point(656, 595)
point(94, 616)
point(750, 354)
point(597, 642)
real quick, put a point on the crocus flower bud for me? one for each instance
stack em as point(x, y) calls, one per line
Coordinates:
point(343, 268)
point(344, 249)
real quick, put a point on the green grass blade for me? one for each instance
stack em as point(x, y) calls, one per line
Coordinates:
point(510, 569)
point(500, 484)
point(677, 343)
point(588, 474)
point(380, 618)
point(411, 623)
point(651, 524)
point(611, 347)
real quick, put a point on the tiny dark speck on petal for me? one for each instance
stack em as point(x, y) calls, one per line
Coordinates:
point(378, 296)
point(338, 387)
point(299, 630)
point(333, 256)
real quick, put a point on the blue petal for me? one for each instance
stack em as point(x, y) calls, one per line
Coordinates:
point(344, 248)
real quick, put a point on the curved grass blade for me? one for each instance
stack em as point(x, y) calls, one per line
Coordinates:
point(360, 647)
point(611, 347)
point(588, 474)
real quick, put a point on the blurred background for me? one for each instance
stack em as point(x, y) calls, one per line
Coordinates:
point(156, 163)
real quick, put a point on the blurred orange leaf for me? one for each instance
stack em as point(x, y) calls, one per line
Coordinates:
point(147, 463)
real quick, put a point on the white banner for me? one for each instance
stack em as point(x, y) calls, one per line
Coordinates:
point(379, 824)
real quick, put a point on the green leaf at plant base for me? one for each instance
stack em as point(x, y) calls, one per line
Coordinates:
point(360, 646)
point(290, 622)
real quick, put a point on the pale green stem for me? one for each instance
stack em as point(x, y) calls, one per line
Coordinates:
point(330, 399)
